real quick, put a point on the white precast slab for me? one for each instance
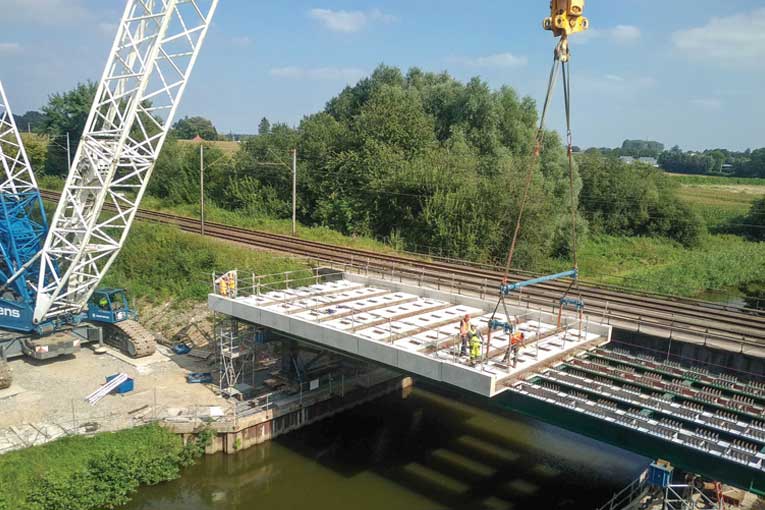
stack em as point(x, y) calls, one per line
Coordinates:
point(332, 310)
point(415, 324)
point(311, 291)
point(411, 329)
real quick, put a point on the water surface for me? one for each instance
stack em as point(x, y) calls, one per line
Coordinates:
point(423, 452)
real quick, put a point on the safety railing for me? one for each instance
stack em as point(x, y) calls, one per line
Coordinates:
point(297, 394)
point(629, 494)
point(671, 325)
point(248, 284)
point(641, 494)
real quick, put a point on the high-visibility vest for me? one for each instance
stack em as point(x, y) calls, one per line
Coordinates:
point(463, 327)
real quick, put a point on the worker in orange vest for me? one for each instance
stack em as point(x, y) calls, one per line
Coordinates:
point(516, 341)
point(464, 329)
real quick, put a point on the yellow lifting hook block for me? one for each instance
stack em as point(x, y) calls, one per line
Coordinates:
point(566, 18)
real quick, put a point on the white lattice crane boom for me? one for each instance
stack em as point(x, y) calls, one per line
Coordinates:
point(155, 49)
point(17, 172)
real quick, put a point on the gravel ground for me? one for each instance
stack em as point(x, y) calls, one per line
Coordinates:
point(53, 392)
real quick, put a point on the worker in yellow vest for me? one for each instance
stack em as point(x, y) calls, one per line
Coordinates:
point(223, 285)
point(475, 343)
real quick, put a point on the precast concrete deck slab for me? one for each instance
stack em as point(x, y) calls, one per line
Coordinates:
point(415, 329)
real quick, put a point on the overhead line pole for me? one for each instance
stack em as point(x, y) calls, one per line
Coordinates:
point(202, 187)
point(294, 192)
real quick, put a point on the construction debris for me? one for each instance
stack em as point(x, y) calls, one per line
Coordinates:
point(95, 397)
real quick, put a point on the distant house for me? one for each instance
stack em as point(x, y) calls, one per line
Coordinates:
point(649, 161)
point(198, 139)
point(645, 160)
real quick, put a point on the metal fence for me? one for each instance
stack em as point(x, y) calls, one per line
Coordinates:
point(83, 420)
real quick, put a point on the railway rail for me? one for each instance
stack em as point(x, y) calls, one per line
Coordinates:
point(699, 319)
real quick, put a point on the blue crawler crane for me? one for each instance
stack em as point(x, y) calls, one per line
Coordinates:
point(23, 230)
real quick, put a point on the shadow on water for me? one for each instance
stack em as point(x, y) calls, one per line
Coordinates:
point(428, 451)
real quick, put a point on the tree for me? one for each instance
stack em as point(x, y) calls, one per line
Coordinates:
point(264, 127)
point(66, 113)
point(423, 159)
point(189, 128)
point(37, 150)
point(31, 121)
point(754, 221)
point(634, 200)
point(641, 148)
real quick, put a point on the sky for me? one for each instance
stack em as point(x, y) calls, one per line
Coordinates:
point(685, 72)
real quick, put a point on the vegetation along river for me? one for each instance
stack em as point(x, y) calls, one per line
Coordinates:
point(424, 452)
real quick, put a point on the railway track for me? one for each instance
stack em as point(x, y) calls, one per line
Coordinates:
point(691, 317)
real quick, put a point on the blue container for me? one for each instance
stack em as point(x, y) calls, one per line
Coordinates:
point(126, 387)
point(660, 475)
point(181, 349)
point(261, 336)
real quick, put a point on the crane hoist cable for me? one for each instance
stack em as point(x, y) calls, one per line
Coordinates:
point(566, 18)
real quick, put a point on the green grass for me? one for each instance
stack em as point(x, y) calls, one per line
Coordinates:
point(720, 263)
point(45, 477)
point(718, 205)
point(218, 215)
point(160, 263)
point(706, 180)
point(50, 182)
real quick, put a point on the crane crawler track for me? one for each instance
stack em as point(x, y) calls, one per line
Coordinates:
point(132, 338)
point(6, 378)
point(615, 305)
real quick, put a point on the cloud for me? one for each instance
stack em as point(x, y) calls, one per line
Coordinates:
point(624, 33)
point(731, 38)
point(44, 12)
point(617, 85)
point(349, 74)
point(349, 21)
point(496, 61)
point(707, 103)
point(107, 28)
point(620, 34)
point(242, 41)
point(9, 48)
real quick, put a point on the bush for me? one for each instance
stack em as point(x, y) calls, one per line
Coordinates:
point(634, 200)
point(754, 222)
point(93, 473)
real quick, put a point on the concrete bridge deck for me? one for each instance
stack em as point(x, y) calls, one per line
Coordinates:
point(413, 329)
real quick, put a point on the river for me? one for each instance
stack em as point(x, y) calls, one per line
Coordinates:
point(424, 452)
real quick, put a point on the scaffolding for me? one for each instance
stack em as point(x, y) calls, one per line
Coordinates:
point(236, 352)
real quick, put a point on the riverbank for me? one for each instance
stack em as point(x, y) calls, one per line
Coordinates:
point(101, 471)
